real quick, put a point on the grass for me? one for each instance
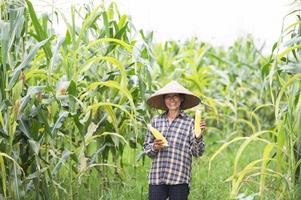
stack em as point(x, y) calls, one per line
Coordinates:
point(205, 185)
point(212, 185)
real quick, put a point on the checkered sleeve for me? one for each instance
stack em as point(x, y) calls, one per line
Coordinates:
point(148, 145)
point(197, 144)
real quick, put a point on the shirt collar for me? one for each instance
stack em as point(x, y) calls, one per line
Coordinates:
point(182, 114)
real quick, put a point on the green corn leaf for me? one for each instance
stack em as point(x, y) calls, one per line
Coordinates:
point(26, 61)
point(65, 155)
point(266, 155)
point(41, 33)
point(3, 176)
point(114, 84)
point(59, 122)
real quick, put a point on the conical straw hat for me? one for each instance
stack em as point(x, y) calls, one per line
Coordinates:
point(156, 100)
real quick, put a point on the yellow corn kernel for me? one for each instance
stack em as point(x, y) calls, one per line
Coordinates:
point(157, 134)
point(197, 123)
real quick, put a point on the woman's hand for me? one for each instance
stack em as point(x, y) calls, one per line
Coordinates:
point(158, 144)
point(203, 126)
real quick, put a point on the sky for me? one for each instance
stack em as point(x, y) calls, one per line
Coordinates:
point(219, 22)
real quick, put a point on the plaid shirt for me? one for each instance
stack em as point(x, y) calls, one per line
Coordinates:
point(172, 165)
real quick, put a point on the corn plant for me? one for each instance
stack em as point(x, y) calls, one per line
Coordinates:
point(72, 105)
point(278, 169)
point(67, 104)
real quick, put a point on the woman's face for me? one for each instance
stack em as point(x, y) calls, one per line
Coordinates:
point(172, 101)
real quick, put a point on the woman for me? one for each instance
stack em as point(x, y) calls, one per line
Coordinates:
point(170, 173)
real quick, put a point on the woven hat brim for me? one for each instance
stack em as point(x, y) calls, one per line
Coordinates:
point(157, 101)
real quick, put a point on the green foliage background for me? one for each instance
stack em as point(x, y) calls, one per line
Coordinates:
point(73, 113)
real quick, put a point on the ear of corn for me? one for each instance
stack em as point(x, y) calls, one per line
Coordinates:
point(197, 123)
point(157, 134)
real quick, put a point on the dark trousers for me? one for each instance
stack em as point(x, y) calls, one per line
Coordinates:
point(174, 192)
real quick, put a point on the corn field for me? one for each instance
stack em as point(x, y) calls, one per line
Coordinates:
point(73, 108)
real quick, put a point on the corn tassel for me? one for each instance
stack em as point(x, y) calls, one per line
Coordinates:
point(157, 134)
